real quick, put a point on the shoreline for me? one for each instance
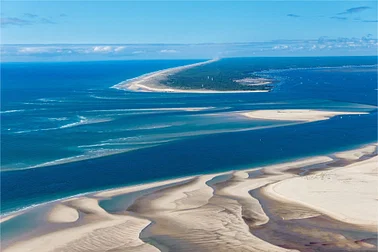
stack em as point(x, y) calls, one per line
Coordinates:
point(138, 84)
point(238, 185)
point(148, 184)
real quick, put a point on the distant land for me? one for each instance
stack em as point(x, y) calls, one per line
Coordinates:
point(220, 75)
point(230, 75)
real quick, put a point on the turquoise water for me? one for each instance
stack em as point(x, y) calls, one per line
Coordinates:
point(78, 135)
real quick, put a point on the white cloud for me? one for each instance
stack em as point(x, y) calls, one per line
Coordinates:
point(34, 50)
point(102, 49)
point(107, 49)
point(168, 51)
point(322, 46)
point(280, 47)
point(119, 48)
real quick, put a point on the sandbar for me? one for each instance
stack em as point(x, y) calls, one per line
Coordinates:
point(305, 115)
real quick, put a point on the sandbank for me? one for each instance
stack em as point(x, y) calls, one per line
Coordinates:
point(305, 115)
point(348, 194)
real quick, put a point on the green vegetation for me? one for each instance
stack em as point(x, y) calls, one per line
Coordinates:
point(215, 76)
point(223, 74)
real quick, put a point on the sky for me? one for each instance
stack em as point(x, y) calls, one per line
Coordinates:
point(79, 30)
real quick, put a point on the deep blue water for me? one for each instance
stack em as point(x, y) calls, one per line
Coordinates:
point(63, 118)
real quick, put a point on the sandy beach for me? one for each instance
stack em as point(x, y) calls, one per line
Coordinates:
point(325, 192)
point(322, 203)
point(151, 82)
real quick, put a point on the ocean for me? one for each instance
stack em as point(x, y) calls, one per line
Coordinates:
point(65, 131)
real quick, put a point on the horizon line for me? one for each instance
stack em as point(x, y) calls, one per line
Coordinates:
point(209, 58)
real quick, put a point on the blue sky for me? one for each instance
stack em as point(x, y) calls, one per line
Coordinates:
point(64, 30)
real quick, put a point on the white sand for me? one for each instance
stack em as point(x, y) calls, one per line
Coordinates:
point(123, 190)
point(104, 233)
point(175, 199)
point(190, 214)
point(358, 153)
point(279, 169)
point(63, 214)
point(306, 115)
point(348, 193)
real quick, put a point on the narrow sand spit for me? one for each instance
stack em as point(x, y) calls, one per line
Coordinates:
point(324, 203)
point(152, 82)
point(306, 115)
point(123, 190)
point(358, 153)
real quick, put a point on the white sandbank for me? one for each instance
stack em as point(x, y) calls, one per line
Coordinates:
point(348, 194)
point(358, 153)
point(306, 115)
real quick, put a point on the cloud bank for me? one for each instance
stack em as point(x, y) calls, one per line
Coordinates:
point(323, 46)
point(14, 21)
point(26, 19)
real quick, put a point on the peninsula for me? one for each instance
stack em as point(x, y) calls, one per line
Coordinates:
point(194, 78)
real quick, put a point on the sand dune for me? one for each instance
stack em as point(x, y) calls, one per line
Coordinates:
point(190, 217)
point(324, 203)
point(102, 232)
point(306, 115)
point(177, 197)
point(62, 213)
